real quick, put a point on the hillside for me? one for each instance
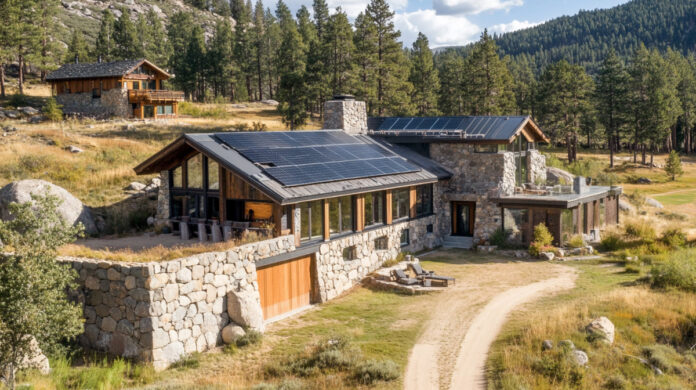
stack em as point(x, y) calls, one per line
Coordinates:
point(85, 15)
point(586, 37)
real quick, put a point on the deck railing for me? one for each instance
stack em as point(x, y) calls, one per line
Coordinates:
point(151, 95)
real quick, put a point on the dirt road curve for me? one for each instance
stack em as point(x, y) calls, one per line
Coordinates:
point(466, 319)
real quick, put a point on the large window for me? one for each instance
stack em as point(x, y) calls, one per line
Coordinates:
point(195, 188)
point(213, 175)
point(400, 203)
point(602, 212)
point(311, 221)
point(340, 215)
point(568, 226)
point(515, 224)
point(520, 146)
point(374, 208)
point(177, 177)
point(424, 200)
point(195, 171)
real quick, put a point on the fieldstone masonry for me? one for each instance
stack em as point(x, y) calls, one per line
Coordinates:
point(113, 102)
point(347, 114)
point(162, 216)
point(536, 162)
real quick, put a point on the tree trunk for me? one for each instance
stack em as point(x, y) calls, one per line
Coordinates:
point(20, 79)
point(673, 139)
point(2, 80)
point(652, 156)
point(570, 149)
point(643, 153)
point(611, 152)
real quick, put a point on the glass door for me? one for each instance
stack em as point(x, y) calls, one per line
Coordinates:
point(463, 218)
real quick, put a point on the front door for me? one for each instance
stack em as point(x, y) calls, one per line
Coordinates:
point(463, 216)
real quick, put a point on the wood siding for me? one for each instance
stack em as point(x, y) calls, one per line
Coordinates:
point(84, 85)
point(285, 287)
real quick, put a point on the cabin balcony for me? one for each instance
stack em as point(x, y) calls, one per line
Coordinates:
point(154, 96)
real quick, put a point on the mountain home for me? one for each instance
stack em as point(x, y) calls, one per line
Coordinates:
point(359, 192)
point(128, 89)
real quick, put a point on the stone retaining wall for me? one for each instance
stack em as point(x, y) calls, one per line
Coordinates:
point(113, 102)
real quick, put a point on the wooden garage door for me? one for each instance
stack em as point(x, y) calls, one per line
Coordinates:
point(284, 287)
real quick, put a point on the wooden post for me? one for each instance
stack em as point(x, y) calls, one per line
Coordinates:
point(175, 108)
point(388, 207)
point(412, 202)
point(141, 112)
point(223, 199)
point(154, 113)
point(360, 213)
point(327, 231)
point(296, 215)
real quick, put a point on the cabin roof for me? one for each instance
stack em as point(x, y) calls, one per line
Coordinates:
point(74, 71)
point(492, 129)
point(239, 152)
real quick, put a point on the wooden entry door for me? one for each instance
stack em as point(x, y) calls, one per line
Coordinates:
point(285, 287)
point(463, 217)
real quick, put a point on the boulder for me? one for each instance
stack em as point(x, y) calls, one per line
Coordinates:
point(231, 333)
point(602, 328)
point(546, 345)
point(626, 206)
point(71, 209)
point(156, 181)
point(244, 308)
point(135, 186)
point(653, 203)
point(269, 102)
point(28, 110)
point(643, 180)
point(547, 256)
point(568, 344)
point(36, 119)
point(557, 175)
point(580, 357)
point(12, 114)
point(36, 359)
point(74, 149)
point(9, 129)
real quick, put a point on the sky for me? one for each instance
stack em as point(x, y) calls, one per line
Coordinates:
point(458, 22)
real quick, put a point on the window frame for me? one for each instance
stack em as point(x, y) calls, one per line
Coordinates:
point(382, 196)
point(396, 203)
point(405, 233)
point(424, 200)
point(339, 204)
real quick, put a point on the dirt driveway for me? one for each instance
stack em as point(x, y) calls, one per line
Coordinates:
point(487, 289)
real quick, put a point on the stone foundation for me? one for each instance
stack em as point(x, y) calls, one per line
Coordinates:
point(113, 102)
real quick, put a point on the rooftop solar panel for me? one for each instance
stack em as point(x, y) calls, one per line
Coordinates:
point(388, 124)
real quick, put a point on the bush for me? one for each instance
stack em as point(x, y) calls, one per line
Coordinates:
point(53, 111)
point(662, 356)
point(542, 240)
point(499, 238)
point(678, 271)
point(250, 337)
point(616, 382)
point(673, 238)
point(558, 367)
point(640, 230)
point(576, 241)
point(373, 371)
point(611, 241)
point(673, 167)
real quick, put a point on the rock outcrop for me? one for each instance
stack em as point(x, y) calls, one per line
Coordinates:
point(602, 328)
point(558, 176)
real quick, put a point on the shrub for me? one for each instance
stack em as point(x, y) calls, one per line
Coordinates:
point(673, 238)
point(673, 167)
point(662, 356)
point(53, 111)
point(640, 230)
point(250, 337)
point(373, 371)
point(678, 271)
point(499, 237)
point(542, 240)
point(576, 241)
point(188, 361)
point(616, 382)
point(17, 100)
point(611, 241)
point(558, 367)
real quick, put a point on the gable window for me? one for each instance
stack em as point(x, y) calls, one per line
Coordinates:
point(213, 175)
point(520, 146)
point(374, 208)
point(195, 171)
point(119, 85)
point(136, 85)
point(177, 178)
point(341, 215)
point(311, 220)
point(192, 192)
point(424, 200)
point(400, 203)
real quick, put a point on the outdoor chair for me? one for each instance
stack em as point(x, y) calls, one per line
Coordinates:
point(402, 278)
point(423, 274)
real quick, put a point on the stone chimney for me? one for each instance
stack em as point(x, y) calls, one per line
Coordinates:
point(580, 185)
point(346, 113)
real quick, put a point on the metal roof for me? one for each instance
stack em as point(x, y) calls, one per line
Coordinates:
point(98, 69)
point(464, 128)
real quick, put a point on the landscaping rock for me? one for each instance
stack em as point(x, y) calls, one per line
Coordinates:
point(567, 344)
point(156, 181)
point(36, 359)
point(626, 206)
point(12, 114)
point(71, 209)
point(603, 328)
point(521, 254)
point(548, 256)
point(269, 102)
point(231, 333)
point(546, 345)
point(643, 180)
point(561, 252)
point(580, 357)
point(653, 203)
point(556, 176)
point(28, 110)
point(150, 221)
point(135, 186)
point(589, 249)
point(238, 106)
point(244, 309)
point(74, 149)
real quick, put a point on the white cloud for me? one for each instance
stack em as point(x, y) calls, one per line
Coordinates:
point(473, 7)
point(354, 7)
point(441, 30)
point(513, 26)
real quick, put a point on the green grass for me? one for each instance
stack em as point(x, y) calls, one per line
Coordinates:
point(676, 199)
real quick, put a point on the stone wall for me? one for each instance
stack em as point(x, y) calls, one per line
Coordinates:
point(536, 163)
point(113, 102)
point(336, 274)
point(160, 311)
point(162, 215)
point(349, 115)
point(476, 178)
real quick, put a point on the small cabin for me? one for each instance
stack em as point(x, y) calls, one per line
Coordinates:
point(126, 89)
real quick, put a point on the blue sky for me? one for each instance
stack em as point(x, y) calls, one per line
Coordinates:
point(457, 22)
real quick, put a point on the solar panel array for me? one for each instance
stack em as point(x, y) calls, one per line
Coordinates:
point(310, 157)
point(486, 127)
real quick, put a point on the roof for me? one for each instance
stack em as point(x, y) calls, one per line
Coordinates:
point(561, 200)
point(99, 69)
point(256, 174)
point(455, 128)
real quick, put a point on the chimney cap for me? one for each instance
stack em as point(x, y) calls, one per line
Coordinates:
point(343, 97)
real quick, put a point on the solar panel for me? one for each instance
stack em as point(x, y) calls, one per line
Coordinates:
point(387, 124)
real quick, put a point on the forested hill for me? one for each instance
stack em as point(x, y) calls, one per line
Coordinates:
point(585, 38)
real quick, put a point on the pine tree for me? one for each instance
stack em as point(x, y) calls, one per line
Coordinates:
point(611, 97)
point(524, 85)
point(639, 85)
point(104, 48)
point(179, 34)
point(451, 100)
point(489, 78)
point(260, 47)
point(292, 67)
point(158, 48)
point(77, 48)
point(564, 98)
point(321, 17)
point(365, 39)
point(340, 53)
point(393, 92)
point(47, 55)
point(686, 93)
point(195, 65)
point(315, 78)
point(673, 167)
point(424, 77)
point(272, 39)
point(244, 47)
point(220, 58)
point(21, 16)
point(126, 42)
point(144, 34)
point(7, 36)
